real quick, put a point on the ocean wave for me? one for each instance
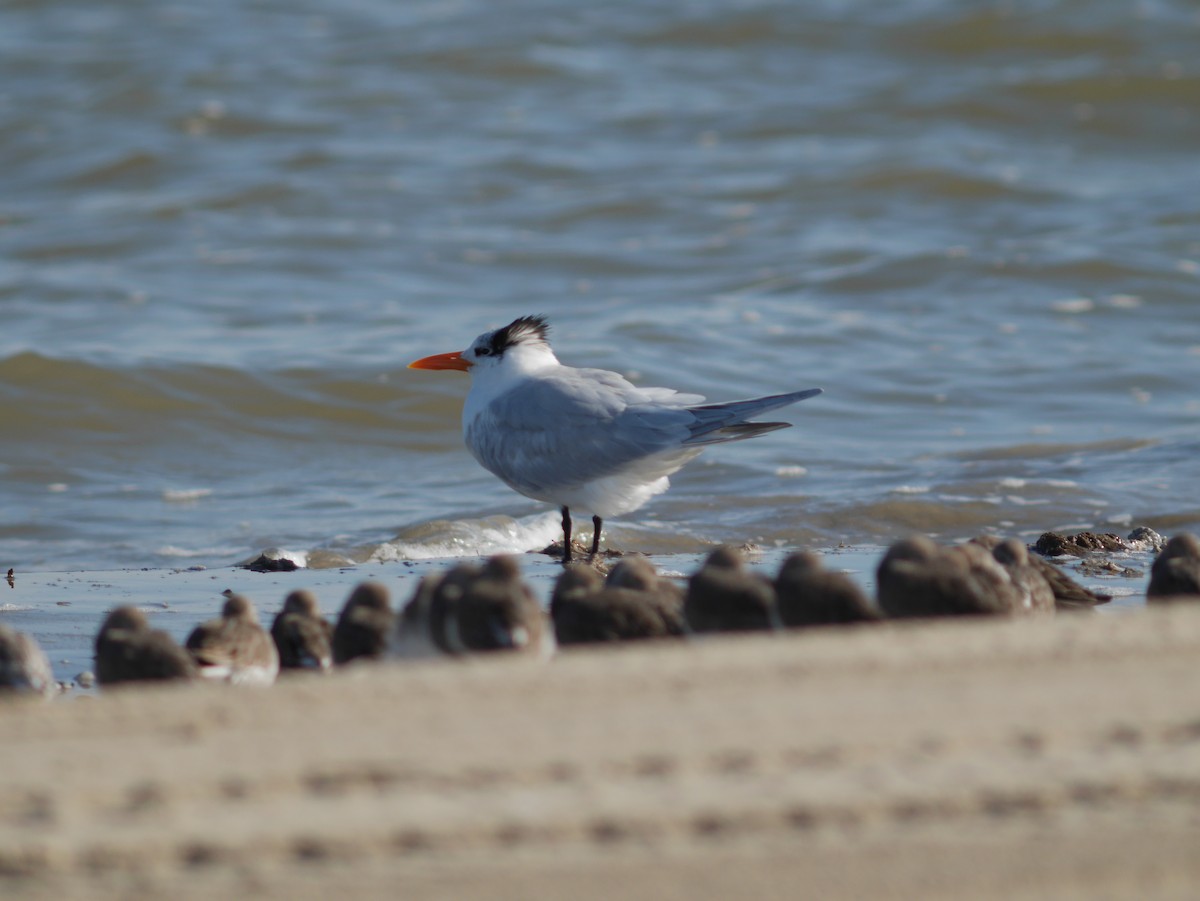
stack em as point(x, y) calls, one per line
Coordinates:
point(470, 538)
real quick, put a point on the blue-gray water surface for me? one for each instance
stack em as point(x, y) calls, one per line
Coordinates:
point(226, 228)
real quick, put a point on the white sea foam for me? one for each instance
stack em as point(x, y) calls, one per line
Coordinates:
point(1125, 301)
point(791, 472)
point(175, 552)
point(1117, 591)
point(911, 489)
point(1073, 305)
point(474, 537)
point(185, 495)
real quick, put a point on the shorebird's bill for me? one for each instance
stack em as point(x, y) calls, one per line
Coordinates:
point(442, 361)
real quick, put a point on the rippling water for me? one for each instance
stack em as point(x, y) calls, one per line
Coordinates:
point(226, 228)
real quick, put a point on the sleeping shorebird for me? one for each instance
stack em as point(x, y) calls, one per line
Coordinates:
point(471, 610)
point(365, 624)
point(234, 648)
point(128, 650)
point(808, 594)
point(634, 603)
point(918, 578)
point(1176, 570)
point(24, 668)
point(1068, 594)
point(302, 636)
point(723, 596)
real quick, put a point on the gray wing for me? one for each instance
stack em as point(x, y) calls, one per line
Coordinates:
point(583, 424)
point(576, 426)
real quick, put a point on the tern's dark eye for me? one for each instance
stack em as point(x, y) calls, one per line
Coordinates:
point(483, 351)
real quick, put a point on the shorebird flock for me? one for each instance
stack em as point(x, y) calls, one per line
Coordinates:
point(474, 609)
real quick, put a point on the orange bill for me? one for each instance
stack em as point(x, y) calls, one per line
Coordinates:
point(442, 361)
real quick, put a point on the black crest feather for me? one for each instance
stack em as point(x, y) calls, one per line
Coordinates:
point(527, 328)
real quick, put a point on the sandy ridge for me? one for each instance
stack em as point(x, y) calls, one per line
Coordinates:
point(645, 765)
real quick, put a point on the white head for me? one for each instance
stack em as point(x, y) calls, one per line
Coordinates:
point(520, 346)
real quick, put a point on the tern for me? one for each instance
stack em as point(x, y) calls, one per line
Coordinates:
point(584, 438)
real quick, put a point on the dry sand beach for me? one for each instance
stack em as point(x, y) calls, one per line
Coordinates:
point(950, 759)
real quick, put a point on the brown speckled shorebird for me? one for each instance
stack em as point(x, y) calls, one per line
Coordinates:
point(633, 604)
point(808, 594)
point(234, 648)
point(1068, 594)
point(128, 650)
point(917, 578)
point(421, 626)
point(364, 626)
point(1175, 573)
point(723, 597)
point(24, 669)
point(1036, 594)
point(474, 609)
point(302, 636)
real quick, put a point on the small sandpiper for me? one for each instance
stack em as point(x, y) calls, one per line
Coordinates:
point(128, 650)
point(917, 578)
point(634, 603)
point(1068, 594)
point(808, 594)
point(1026, 572)
point(234, 648)
point(1175, 573)
point(364, 626)
point(474, 609)
point(24, 669)
point(723, 597)
point(303, 638)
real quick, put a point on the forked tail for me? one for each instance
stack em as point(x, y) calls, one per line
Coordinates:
point(716, 423)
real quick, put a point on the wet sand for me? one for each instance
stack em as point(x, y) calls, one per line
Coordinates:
point(981, 759)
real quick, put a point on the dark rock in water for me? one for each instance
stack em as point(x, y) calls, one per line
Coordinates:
point(1100, 567)
point(302, 636)
point(579, 551)
point(24, 669)
point(633, 604)
point(1175, 573)
point(723, 597)
point(807, 594)
point(1052, 544)
point(916, 578)
point(128, 650)
point(364, 626)
point(271, 560)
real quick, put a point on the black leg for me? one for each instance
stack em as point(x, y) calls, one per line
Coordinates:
point(566, 523)
point(596, 534)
